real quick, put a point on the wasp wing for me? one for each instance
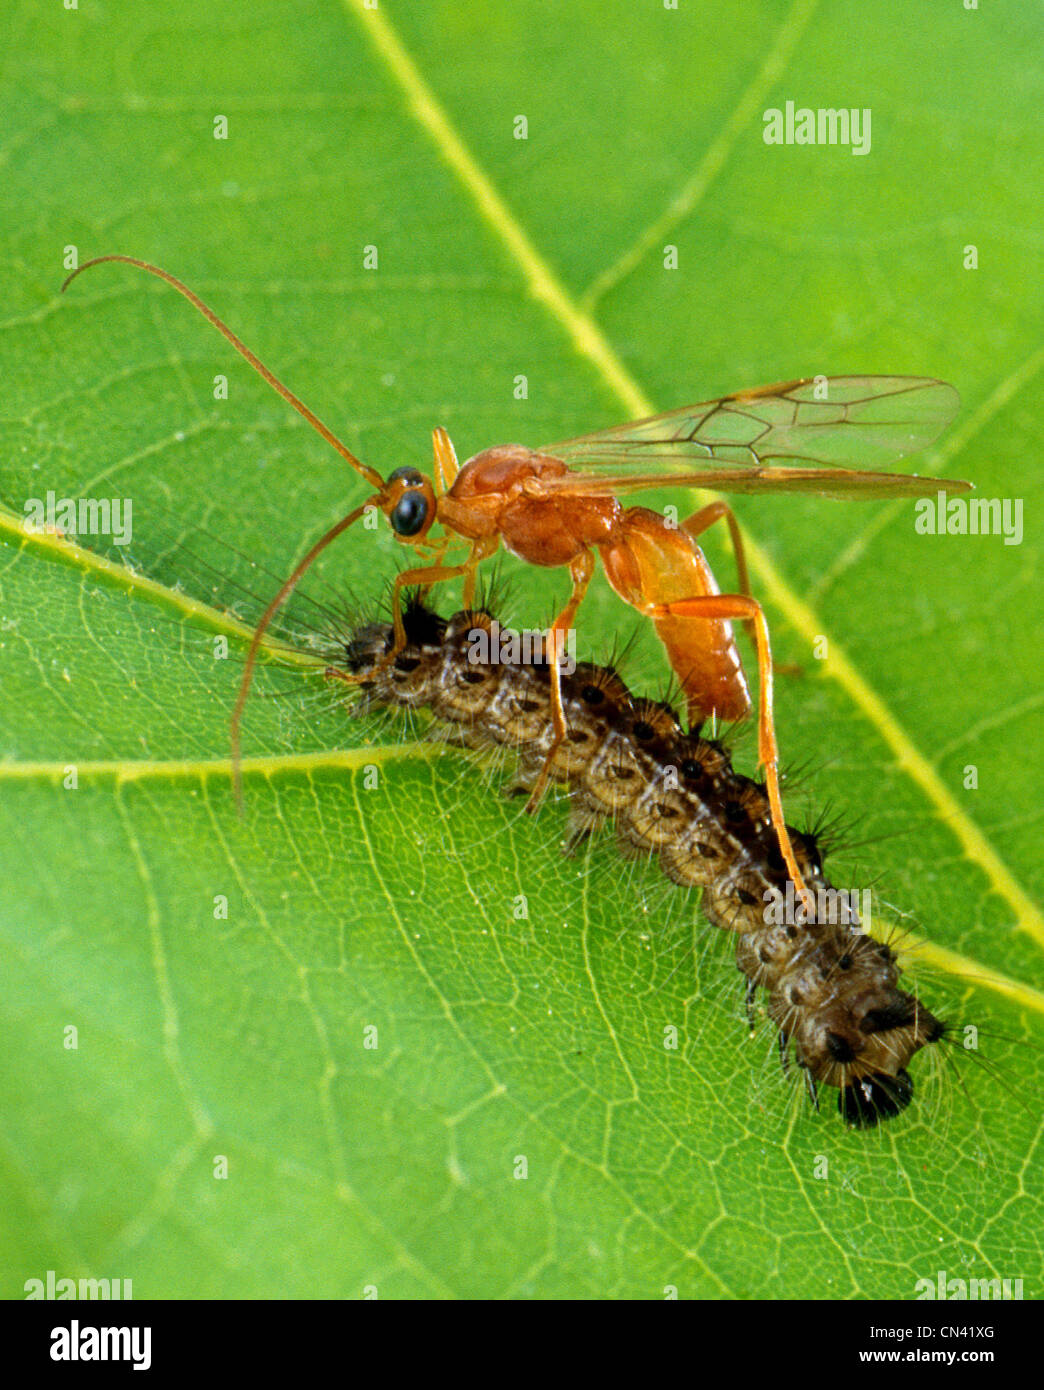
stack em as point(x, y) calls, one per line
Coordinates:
point(825, 435)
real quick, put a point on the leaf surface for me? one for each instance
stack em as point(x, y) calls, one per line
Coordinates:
point(501, 1037)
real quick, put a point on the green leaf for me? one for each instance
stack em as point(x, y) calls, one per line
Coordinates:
point(202, 1038)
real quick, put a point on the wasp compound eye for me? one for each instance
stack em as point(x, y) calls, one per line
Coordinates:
point(409, 514)
point(406, 475)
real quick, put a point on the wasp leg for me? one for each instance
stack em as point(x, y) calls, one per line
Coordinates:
point(696, 525)
point(580, 571)
point(426, 576)
point(745, 608)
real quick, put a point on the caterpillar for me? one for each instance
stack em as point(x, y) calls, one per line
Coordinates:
point(831, 989)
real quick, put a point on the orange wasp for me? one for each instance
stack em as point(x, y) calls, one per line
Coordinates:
point(558, 506)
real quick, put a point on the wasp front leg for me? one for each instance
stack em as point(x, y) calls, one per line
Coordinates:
point(426, 575)
point(434, 552)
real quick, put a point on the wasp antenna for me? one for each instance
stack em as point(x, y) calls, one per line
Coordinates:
point(370, 474)
point(255, 642)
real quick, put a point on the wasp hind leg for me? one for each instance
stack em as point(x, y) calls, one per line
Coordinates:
point(701, 521)
point(746, 609)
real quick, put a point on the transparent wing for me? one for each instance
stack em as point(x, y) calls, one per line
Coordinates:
point(821, 435)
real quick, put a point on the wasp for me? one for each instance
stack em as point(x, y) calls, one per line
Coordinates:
point(559, 507)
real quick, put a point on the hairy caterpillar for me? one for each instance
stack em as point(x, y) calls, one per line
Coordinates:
point(832, 990)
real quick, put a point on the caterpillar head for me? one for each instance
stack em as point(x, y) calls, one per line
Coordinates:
point(874, 1098)
point(883, 1029)
point(835, 995)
